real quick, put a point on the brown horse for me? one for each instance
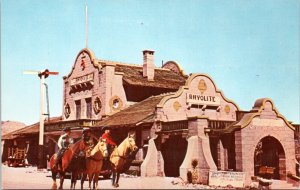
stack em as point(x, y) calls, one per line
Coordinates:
point(93, 163)
point(70, 153)
point(120, 158)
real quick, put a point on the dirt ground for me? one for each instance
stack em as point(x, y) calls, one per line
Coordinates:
point(31, 178)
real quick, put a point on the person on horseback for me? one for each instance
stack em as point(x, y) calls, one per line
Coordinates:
point(87, 136)
point(109, 140)
point(63, 144)
point(88, 140)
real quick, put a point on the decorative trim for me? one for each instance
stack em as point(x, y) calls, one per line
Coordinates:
point(67, 110)
point(202, 86)
point(180, 70)
point(92, 57)
point(115, 103)
point(176, 105)
point(97, 105)
point(260, 110)
point(227, 109)
point(186, 87)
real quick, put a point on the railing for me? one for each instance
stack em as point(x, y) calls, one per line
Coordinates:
point(174, 125)
point(216, 124)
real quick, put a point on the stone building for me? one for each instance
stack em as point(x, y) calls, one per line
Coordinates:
point(96, 90)
point(176, 118)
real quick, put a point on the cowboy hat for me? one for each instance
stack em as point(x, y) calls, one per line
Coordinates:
point(105, 128)
point(66, 129)
point(86, 129)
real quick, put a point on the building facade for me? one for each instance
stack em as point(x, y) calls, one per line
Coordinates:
point(176, 118)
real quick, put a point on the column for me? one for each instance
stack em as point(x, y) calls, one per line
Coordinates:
point(198, 148)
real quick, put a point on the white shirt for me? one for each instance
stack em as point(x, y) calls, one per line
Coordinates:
point(62, 139)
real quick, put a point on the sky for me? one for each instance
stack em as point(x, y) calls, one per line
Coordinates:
point(250, 48)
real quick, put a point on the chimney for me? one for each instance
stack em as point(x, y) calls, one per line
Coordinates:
point(148, 65)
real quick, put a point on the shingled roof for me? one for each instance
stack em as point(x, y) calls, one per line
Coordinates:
point(30, 129)
point(10, 126)
point(143, 111)
point(163, 78)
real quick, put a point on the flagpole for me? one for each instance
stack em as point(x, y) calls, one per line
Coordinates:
point(86, 24)
point(41, 151)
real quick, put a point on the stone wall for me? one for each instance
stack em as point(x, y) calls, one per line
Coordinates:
point(106, 85)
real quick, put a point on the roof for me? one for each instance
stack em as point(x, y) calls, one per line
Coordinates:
point(257, 109)
point(30, 129)
point(143, 111)
point(9, 126)
point(163, 78)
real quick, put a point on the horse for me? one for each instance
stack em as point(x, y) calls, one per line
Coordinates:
point(69, 154)
point(93, 164)
point(120, 158)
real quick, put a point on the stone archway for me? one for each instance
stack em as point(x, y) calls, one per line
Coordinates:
point(269, 152)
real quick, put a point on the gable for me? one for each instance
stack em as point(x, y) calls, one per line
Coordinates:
point(199, 97)
point(264, 114)
point(85, 60)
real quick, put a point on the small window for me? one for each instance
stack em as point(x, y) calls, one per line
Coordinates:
point(78, 109)
point(88, 107)
point(116, 103)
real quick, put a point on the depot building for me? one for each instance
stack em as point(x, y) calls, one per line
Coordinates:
point(176, 118)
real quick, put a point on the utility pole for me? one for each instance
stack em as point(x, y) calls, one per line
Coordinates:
point(42, 75)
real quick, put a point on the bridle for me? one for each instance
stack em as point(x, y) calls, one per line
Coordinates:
point(124, 157)
point(92, 158)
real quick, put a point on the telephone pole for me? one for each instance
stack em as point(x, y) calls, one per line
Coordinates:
point(42, 75)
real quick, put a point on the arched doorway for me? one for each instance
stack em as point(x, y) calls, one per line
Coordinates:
point(173, 152)
point(269, 153)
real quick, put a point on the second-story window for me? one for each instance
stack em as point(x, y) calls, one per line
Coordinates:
point(88, 107)
point(78, 109)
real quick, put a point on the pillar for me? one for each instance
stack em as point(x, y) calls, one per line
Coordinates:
point(153, 165)
point(198, 148)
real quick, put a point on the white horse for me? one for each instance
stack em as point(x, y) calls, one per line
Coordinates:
point(120, 157)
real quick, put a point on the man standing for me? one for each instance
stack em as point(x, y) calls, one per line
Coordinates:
point(63, 144)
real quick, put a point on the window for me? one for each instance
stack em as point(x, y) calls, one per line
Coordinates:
point(78, 109)
point(116, 103)
point(88, 107)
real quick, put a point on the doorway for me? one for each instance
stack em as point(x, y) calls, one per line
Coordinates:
point(269, 158)
point(173, 152)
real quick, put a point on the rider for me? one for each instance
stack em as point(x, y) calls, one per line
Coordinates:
point(109, 140)
point(87, 136)
point(63, 144)
point(88, 140)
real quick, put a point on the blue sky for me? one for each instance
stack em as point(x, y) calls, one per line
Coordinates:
point(249, 47)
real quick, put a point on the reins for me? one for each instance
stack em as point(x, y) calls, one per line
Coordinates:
point(93, 158)
point(123, 157)
point(97, 160)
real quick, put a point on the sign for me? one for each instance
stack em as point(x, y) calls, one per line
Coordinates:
point(82, 79)
point(203, 99)
point(72, 124)
point(224, 178)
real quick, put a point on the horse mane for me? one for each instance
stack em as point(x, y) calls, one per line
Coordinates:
point(96, 152)
point(76, 146)
point(122, 150)
point(72, 150)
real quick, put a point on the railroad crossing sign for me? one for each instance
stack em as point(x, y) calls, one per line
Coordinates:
point(42, 75)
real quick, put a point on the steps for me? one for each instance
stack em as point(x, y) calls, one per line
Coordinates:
point(281, 184)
